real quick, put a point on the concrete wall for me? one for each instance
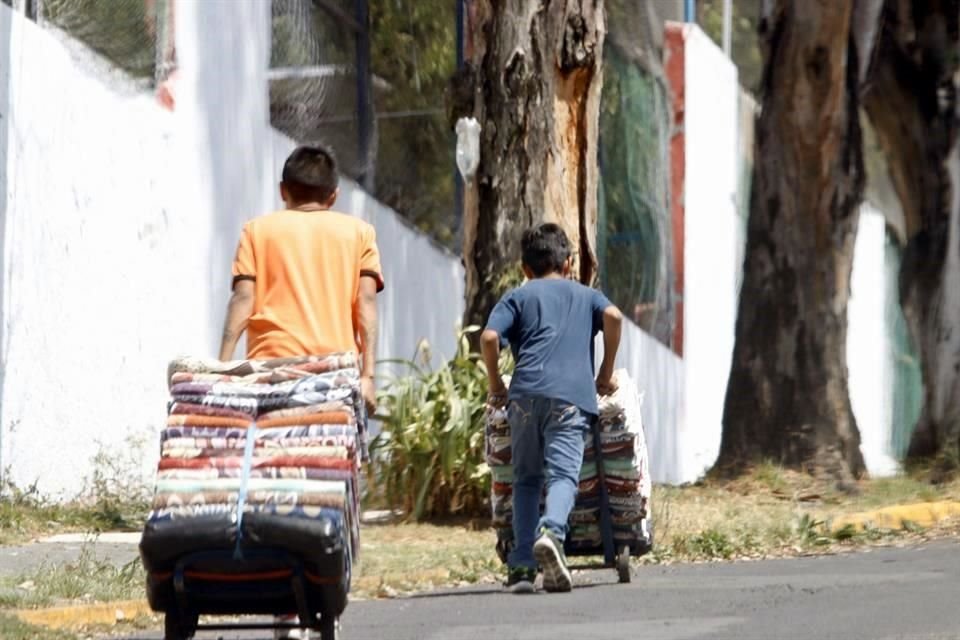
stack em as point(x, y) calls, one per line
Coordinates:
point(119, 225)
point(870, 354)
point(710, 249)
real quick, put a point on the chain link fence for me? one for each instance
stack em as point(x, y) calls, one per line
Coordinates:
point(369, 80)
point(634, 236)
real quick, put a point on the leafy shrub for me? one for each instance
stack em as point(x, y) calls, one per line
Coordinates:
point(427, 459)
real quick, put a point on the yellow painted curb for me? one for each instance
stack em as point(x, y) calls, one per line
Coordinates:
point(105, 613)
point(923, 514)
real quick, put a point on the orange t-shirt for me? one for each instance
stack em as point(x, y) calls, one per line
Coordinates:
point(306, 266)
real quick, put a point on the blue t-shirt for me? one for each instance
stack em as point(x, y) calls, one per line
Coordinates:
point(550, 324)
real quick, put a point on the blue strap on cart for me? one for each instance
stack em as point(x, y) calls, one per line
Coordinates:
point(244, 482)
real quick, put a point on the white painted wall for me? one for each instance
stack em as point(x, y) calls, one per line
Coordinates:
point(659, 375)
point(869, 351)
point(120, 222)
point(711, 251)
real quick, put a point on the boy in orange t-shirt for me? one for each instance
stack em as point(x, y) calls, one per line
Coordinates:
point(305, 279)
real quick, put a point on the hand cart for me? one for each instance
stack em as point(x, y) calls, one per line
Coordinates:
point(615, 554)
point(264, 582)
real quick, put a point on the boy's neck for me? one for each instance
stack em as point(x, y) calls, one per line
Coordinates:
point(308, 206)
point(553, 275)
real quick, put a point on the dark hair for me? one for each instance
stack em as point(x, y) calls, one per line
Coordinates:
point(545, 249)
point(310, 174)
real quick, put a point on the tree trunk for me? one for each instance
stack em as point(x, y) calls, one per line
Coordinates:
point(910, 97)
point(532, 80)
point(787, 399)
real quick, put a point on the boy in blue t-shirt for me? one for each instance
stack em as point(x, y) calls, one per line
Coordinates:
point(550, 323)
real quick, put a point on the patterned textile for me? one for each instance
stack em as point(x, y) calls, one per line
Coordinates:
point(306, 419)
point(242, 368)
point(623, 451)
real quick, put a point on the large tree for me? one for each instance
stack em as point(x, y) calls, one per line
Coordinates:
point(911, 98)
point(787, 398)
point(532, 79)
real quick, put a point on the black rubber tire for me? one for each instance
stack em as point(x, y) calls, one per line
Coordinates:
point(176, 627)
point(329, 628)
point(646, 546)
point(623, 564)
point(504, 547)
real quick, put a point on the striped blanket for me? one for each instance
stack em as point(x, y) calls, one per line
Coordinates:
point(279, 438)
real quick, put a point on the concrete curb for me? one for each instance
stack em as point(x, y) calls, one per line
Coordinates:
point(923, 514)
point(106, 613)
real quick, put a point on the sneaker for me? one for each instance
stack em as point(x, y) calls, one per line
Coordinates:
point(549, 553)
point(521, 579)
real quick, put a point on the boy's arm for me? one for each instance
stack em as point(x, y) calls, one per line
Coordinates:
point(367, 319)
point(490, 349)
point(239, 310)
point(612, 322)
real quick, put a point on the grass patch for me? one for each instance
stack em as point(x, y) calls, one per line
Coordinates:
point(402, 558)
point(774, 512)
point(12, 628)
point(114, 498)
point(89, 579)
point(23, 519)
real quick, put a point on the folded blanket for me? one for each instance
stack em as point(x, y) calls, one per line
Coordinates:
point(165, 485)
point(330, 417)
point(183, 408)
point(206, 421)
point(165, 500)
point(242, 368)
point(325, 407)
point(305, 473)
point(191, 511)
point(238, 444)
point(273, 433)
point(258, 462)
point(296, 452)
point(320, 382)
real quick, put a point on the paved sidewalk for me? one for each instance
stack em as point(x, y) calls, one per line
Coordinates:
point(118, 548)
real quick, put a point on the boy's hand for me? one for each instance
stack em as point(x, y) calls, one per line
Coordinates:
point(369, 393)
point(497, 394)
point(606, 386)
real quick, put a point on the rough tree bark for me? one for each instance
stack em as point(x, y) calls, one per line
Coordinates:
point(787, 398)
point(532, 79)
point(911, 99)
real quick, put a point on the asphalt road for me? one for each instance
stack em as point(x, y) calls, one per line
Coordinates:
point(880, 594)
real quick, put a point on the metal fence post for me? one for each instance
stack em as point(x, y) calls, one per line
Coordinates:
point(361, 14)
point(457, 178)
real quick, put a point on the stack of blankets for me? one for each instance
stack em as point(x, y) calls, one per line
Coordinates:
point(259, 453)
point(626, 475)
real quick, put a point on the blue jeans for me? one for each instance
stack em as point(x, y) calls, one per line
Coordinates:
point(548, 438)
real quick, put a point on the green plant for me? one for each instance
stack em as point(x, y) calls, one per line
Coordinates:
point(116, 490)
point(428, 457)
point(810, 531)
point(712, 543)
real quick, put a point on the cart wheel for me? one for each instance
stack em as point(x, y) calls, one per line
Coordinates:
point(623, 564)
point(504, 547)
point(177, 627)
point(646, 543)
point(330, 628)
